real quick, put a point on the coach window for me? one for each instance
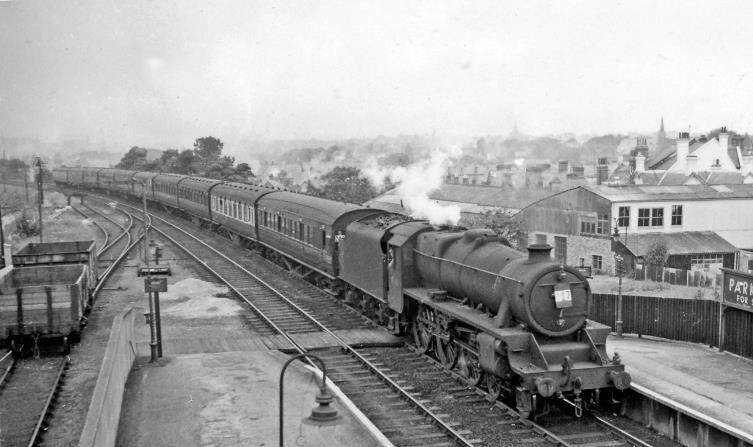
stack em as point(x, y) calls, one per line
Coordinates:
point(324, 238)
point(300, 230)
point(279, 223)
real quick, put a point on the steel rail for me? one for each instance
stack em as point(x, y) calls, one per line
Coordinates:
point(129, 246)
point(123, 228)
point(10, 367)
point(101, 228)
point(45, 410)
point(460, 439)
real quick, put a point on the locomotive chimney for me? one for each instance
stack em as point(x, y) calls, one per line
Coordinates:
point(539, 253)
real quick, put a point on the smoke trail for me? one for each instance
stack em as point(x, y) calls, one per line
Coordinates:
point(416, 182)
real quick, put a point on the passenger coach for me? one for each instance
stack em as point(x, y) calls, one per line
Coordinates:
point(306, 228)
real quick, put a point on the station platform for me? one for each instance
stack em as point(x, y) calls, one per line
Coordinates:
point(692, 379)
point(230, 399)
point(357, 338)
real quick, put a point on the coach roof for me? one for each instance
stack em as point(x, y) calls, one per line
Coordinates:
point(322, 210)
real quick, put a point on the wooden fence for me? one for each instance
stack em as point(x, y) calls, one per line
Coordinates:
point(691, 278)
point(695, 321)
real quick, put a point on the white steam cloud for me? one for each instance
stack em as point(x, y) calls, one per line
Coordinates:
point(415, 182)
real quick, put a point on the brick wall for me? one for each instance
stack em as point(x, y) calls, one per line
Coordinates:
point(581, 247)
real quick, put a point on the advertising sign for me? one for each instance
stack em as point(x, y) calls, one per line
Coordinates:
point(737, 290)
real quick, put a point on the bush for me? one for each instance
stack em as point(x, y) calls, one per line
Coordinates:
point(657, 253)
point(26, 226)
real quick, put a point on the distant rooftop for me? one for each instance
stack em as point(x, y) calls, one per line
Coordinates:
point(636, 193)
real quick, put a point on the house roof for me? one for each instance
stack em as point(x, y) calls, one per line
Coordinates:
point(640, 193)
point(667, 157)
point(685, 243)
point(487, 195)
point(468, 197)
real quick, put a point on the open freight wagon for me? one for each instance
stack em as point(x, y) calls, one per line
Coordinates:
point(61, 253)
point(42, 304)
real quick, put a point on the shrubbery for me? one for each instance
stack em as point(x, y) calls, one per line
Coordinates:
point(26, 226)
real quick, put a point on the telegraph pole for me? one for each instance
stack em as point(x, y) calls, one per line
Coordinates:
point(2, 239)
point(40, 194)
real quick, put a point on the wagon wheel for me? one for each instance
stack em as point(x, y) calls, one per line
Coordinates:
point(469, 367)
point(493, 386)
point(450, 353)
point(421, 334)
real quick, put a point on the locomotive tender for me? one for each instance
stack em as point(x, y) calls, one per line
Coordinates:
point(516, 323)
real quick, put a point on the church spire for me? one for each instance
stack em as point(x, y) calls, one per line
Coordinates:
point(661, 137)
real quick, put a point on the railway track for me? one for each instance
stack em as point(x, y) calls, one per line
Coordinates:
point(412, 398)
point(287, 319)
point(29, 387)
point(28, 397)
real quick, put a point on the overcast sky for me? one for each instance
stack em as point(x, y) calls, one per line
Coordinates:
point(164, 72)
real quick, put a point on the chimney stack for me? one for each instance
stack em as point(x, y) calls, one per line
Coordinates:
point(691, 165)
point(683, 147)
point(723, 143)
point(640, 163)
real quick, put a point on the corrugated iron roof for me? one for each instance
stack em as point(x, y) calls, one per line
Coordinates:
point(685, 243)
point(638, 193)
point(488, 195)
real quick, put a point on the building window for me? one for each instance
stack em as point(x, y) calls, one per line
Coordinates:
point(651, 217)
point(602, 224)
point(596, 262)
point(541, 239)
point(587, 225)
point(676, 215)
point(560, 249)
point(644, 218)
point(657, 217)
point(623, 219)
point(706, 262)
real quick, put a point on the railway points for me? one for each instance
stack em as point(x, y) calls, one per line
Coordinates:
point(689, 392)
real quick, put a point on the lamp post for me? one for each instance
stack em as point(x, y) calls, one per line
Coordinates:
point(152, 314)
point(323, 415)
point(620, 268)
point(40, 194)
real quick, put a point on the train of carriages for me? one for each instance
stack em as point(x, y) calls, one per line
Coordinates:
point(514, 322)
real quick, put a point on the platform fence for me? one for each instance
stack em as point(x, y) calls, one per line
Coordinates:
point(680, 277)
point(695, 321)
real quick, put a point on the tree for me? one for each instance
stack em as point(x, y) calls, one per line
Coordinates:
point(502, 222)
point(208, 149)
point(344, 183)
point(657, 253)
point(244, 169)
point(169, 160)
point(186, 162)
point(134, 159)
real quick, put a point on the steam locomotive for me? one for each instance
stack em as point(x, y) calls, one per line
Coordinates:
point(513, 322)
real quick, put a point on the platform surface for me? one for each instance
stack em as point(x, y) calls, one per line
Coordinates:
point(228, 399)
point(374, 337)
point(717, 384)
